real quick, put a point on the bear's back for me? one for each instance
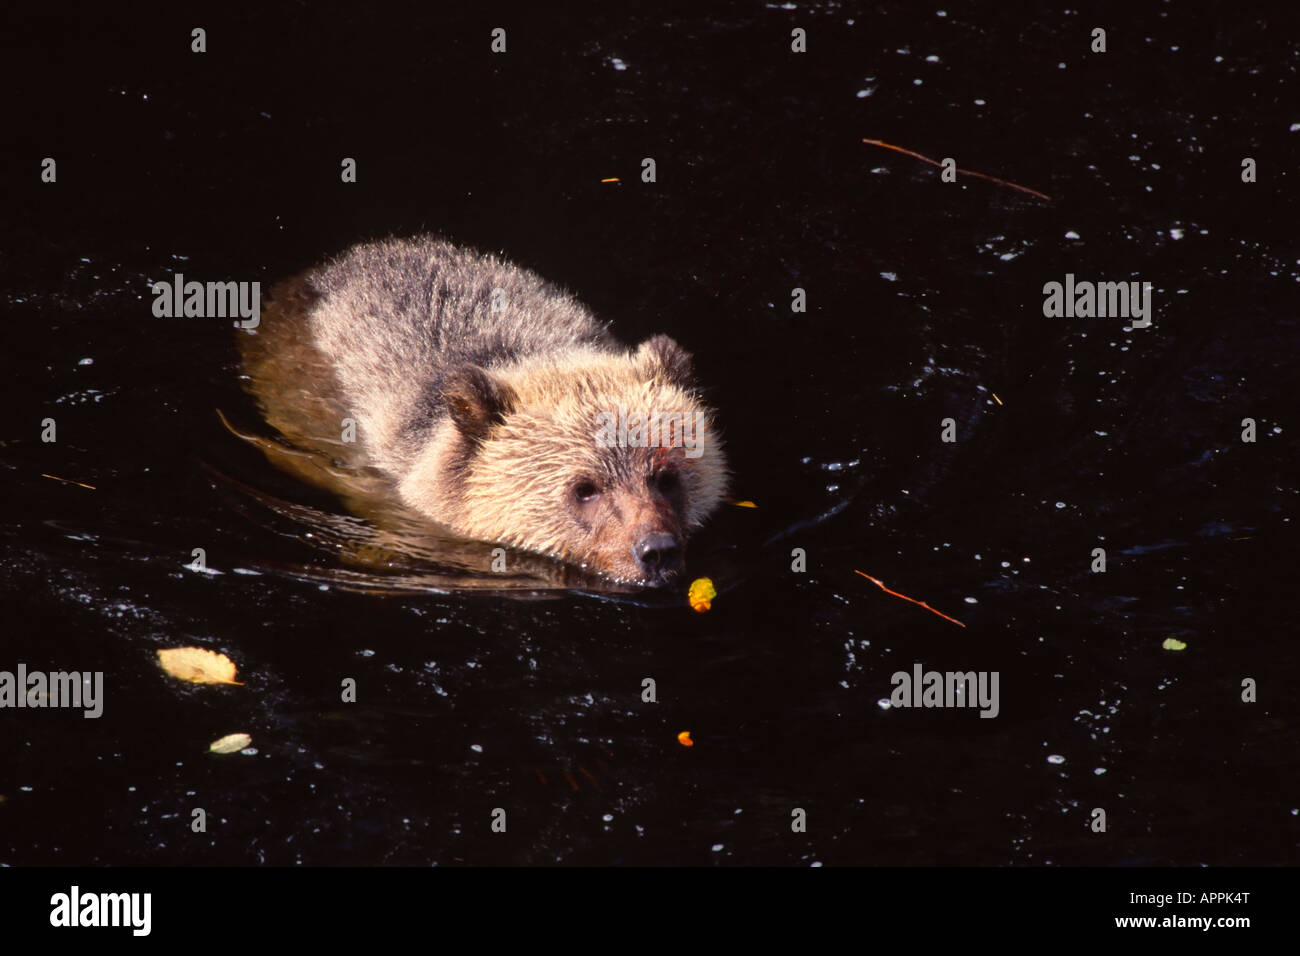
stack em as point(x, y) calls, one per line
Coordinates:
point(393, 318)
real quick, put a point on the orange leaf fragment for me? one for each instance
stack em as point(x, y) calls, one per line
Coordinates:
point(684, 738)
point(701, 594)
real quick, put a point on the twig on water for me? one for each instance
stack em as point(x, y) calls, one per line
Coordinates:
point(964, 172)
point(68, 481)
point(880, 584)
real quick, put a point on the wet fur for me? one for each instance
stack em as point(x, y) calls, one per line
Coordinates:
point(479, 420)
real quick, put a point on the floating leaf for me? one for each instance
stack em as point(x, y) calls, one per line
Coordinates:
point(684, 738)
point(230, 744)
point(744, 504)
point(198, 666)
point(1173, 644)
point(701, 594)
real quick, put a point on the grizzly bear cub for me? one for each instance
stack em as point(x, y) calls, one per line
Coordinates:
point(494, 404)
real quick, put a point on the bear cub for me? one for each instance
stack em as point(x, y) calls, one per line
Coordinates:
point(495, 405)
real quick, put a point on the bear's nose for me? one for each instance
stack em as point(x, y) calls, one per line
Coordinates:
point(657, 554)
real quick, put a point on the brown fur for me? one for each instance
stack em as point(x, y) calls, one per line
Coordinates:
point(482, 419)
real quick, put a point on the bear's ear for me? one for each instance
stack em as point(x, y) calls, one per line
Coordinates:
point(476, 401)
point(661, 357)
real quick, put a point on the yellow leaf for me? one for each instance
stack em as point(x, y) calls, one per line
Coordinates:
point(1173, 644)
point(198, 666)
point(230, 744)
point(701, 594)
point(744, 504)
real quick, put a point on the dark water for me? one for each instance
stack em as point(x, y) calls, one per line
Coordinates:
point(924, 301)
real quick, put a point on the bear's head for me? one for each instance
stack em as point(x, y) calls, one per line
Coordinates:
point(605, 460)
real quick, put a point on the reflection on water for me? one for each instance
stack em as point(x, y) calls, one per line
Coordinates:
point(392, 549)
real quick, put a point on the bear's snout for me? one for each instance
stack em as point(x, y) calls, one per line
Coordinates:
point(658, 556)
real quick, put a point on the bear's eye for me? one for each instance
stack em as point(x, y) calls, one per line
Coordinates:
point(585, 491)
point(665, 481)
